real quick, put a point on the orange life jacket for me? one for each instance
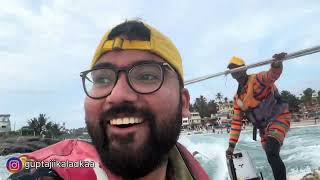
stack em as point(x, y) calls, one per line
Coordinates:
point(260, 113)
point(249, 101)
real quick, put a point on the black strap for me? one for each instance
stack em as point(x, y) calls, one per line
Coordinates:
point(26, 174)
point(232, 169)
point(254, 133)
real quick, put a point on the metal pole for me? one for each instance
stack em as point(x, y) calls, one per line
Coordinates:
point(293, 55)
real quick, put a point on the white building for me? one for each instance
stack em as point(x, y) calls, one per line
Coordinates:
point(225, 112)
point(225, 108)
point(5, 125)
point(185, 122)
point(195, 119)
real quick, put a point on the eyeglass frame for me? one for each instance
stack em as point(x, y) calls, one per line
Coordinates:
point(126, 70)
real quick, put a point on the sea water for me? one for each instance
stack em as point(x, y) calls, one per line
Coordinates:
point(300, 152)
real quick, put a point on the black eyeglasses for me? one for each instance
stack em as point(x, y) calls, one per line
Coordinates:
point(144, 77)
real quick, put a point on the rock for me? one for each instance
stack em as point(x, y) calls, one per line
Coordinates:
point(28, 139)
point(23, 144)
point(314, 175)
point(317, 173)
point(49, 141)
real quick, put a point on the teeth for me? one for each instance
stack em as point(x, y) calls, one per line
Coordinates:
point(137, 120)
point(119, 121)
point(126, 120)
point(131, 120)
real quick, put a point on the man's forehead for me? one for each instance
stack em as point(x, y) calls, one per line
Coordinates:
point(123, 58)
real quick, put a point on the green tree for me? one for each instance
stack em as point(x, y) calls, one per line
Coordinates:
point(37, 124)
point(78, 132)
point(42, 126)
point(306, 97)
point(191, 108)
point(219, 96)
point(212, 107)
point(53, 130)
point(201, 106)
point(292, 100)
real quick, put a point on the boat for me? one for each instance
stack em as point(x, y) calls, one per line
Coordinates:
point(241, 167)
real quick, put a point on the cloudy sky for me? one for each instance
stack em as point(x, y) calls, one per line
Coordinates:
point(45, 44)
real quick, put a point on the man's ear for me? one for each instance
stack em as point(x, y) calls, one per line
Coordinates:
point(185, 102)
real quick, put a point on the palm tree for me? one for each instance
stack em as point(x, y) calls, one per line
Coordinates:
point(37, 124)
point(55, 130)
point(306, 97)
point(191, 108)
point(201, 106)
point(212, 107)
point(219, 96)
point(226, 100)
point(292, 100)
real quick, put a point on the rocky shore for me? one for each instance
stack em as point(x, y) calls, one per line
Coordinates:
point(9, 145)
point(314, 175)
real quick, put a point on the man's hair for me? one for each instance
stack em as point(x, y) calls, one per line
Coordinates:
point(132, 30)
point(135, 30)
point(232, 66)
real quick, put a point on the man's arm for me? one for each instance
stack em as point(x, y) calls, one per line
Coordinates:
point(236, 125)
point(269, 77)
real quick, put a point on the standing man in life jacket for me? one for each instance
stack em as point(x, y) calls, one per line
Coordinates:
point(134, 104)
point(258, 100)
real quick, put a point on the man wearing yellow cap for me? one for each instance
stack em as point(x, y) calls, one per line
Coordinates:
point(133, 110)
point(258, 100)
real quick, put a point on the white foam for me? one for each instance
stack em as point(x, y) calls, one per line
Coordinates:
point(211, 153)
point(300, 152)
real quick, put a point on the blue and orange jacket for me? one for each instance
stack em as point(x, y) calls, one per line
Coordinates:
point(72, 150)
point(258, 87)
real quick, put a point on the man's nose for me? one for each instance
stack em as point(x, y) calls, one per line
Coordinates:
point(122, 92)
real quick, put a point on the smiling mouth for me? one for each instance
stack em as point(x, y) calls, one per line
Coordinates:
point(126, 122)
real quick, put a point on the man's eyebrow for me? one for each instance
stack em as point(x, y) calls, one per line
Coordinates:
point(102, 65)
point(110, 65)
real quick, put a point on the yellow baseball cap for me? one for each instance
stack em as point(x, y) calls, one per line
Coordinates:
point(237, 61)
point(158, 44)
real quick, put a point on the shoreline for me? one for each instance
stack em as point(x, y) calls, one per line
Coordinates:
point(249, 128)
point(305, 123)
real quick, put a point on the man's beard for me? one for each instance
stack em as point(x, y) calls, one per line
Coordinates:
point(164, 134)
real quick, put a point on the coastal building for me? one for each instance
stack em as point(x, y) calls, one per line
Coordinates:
point(225, 112)
point(195, 120)
point(5, 125)
point(312, 109)
point(185, 123)
point(315, 106)
point(225, 108)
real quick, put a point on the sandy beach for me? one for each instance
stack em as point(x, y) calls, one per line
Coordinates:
point(248, 128)
point(300, 124)
point(304, 123)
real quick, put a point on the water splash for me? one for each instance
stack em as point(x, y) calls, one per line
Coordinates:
point(300, 152)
